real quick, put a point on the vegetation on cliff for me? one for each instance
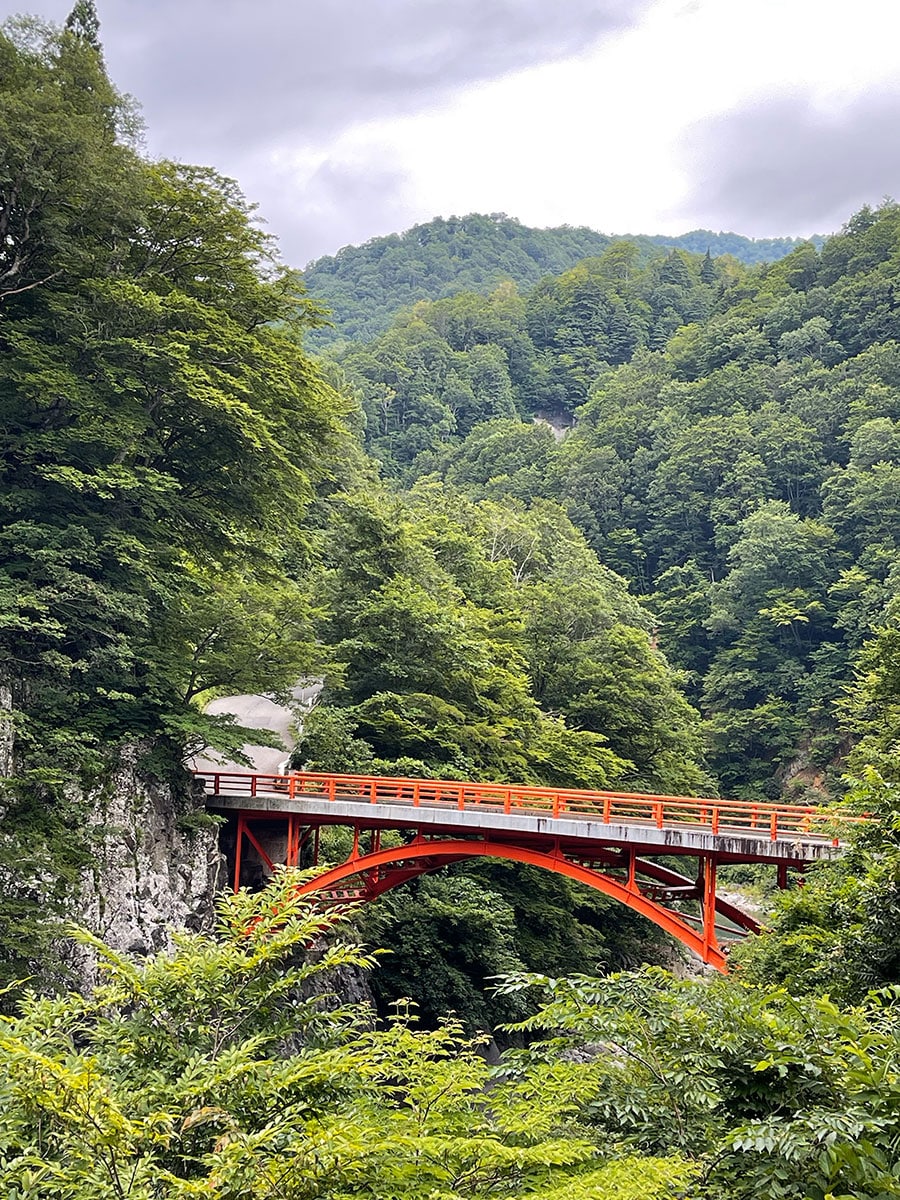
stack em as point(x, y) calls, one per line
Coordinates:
point(162, 436)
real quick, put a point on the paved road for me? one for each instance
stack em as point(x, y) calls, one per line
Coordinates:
point(261, 712)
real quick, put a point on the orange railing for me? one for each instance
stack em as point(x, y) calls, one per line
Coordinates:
point(771, 820)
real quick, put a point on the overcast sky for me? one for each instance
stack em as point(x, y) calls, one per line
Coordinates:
point(345, 119)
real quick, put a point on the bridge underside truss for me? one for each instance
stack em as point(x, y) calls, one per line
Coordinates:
point(684, 905)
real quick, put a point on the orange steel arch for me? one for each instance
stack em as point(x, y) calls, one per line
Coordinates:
point(703, 943)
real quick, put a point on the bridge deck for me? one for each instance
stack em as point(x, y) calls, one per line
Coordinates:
point(730, 830)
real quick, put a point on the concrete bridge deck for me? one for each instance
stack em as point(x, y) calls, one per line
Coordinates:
point(611, 841)
point(740, 831)
point(574, 829)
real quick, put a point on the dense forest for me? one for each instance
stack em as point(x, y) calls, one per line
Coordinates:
point(611, 514)
point(729, 448)
point(365, 286)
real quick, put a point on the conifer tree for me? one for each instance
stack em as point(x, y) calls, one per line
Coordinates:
point(84, 23)
point(675, 270)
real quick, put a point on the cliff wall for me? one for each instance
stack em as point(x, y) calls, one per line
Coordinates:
point(157, 864)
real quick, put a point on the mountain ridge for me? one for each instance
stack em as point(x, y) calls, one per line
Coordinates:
point(365, 285)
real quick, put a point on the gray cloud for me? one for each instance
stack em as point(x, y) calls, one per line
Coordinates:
point(252, 71)
point(226, 72)
point(342, 203)
point(786, 164)
point(225, 82)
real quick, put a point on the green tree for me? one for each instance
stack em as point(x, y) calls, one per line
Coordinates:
point(226, 1068)
point(66, 170)
point(771, 616)
point(430, 635)
point(838, 934)
point(163, 428)
point(84, 23)
point(450, 937)
point(769, 1095)
point(707, 269)
point(871, 710)
point(681, 606)
point(163, 435)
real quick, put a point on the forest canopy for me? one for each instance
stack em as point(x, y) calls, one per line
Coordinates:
point(722, 436)
point(365, 286)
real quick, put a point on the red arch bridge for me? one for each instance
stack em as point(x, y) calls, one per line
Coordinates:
point(611, 841)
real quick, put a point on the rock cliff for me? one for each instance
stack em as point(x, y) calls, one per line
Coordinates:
point(157, 864)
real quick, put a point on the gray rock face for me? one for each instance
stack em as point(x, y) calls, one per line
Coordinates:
point(157, 869)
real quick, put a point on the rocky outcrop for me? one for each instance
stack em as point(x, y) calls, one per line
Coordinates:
point(6, 730)
point(157, 869)
point(284, 721)
point(157, 865)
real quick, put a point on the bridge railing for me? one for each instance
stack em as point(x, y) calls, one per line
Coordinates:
point(773, 821)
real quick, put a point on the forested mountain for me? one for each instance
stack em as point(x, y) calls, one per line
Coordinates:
point(734, 455)
point(442, 523)
point(364, 286)
point(187, 513)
